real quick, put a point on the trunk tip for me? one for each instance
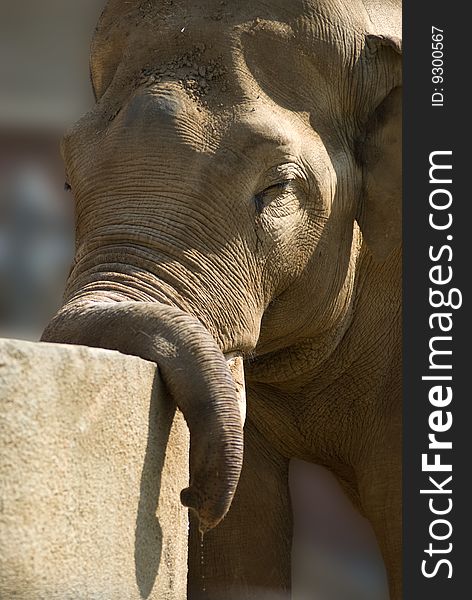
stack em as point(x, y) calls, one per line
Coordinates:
point(208, 516)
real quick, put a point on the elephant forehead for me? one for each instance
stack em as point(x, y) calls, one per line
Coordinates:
point(166, 114)
point(161, 110)
point(226, 10)
point(217, 10)
point(170, 34)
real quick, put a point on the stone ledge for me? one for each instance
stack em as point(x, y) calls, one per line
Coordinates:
point(91, 466)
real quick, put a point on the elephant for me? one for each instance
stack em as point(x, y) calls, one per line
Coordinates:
point(238, 196)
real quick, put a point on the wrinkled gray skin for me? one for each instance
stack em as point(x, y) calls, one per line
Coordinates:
point(238, 191)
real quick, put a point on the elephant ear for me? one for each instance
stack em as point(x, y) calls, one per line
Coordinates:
point(379, 149)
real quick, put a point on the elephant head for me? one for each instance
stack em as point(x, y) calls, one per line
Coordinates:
point(218, 182)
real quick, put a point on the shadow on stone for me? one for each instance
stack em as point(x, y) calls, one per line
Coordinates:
point(148, 536)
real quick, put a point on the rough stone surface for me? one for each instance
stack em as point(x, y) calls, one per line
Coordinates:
point(91, 466)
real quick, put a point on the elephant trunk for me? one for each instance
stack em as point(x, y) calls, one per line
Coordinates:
point(196, 375)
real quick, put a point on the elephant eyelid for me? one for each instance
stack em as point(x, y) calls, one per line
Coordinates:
point(281, 185)
point(259, 198)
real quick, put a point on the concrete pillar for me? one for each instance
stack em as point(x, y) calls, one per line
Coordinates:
point(92, 461)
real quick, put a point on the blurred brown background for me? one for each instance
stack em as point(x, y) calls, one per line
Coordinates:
point(44, 88)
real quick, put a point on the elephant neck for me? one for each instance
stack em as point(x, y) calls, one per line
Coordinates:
point(297, 363)
point(372, 321)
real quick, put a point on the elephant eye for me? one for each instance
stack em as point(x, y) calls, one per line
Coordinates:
point(271, 192)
